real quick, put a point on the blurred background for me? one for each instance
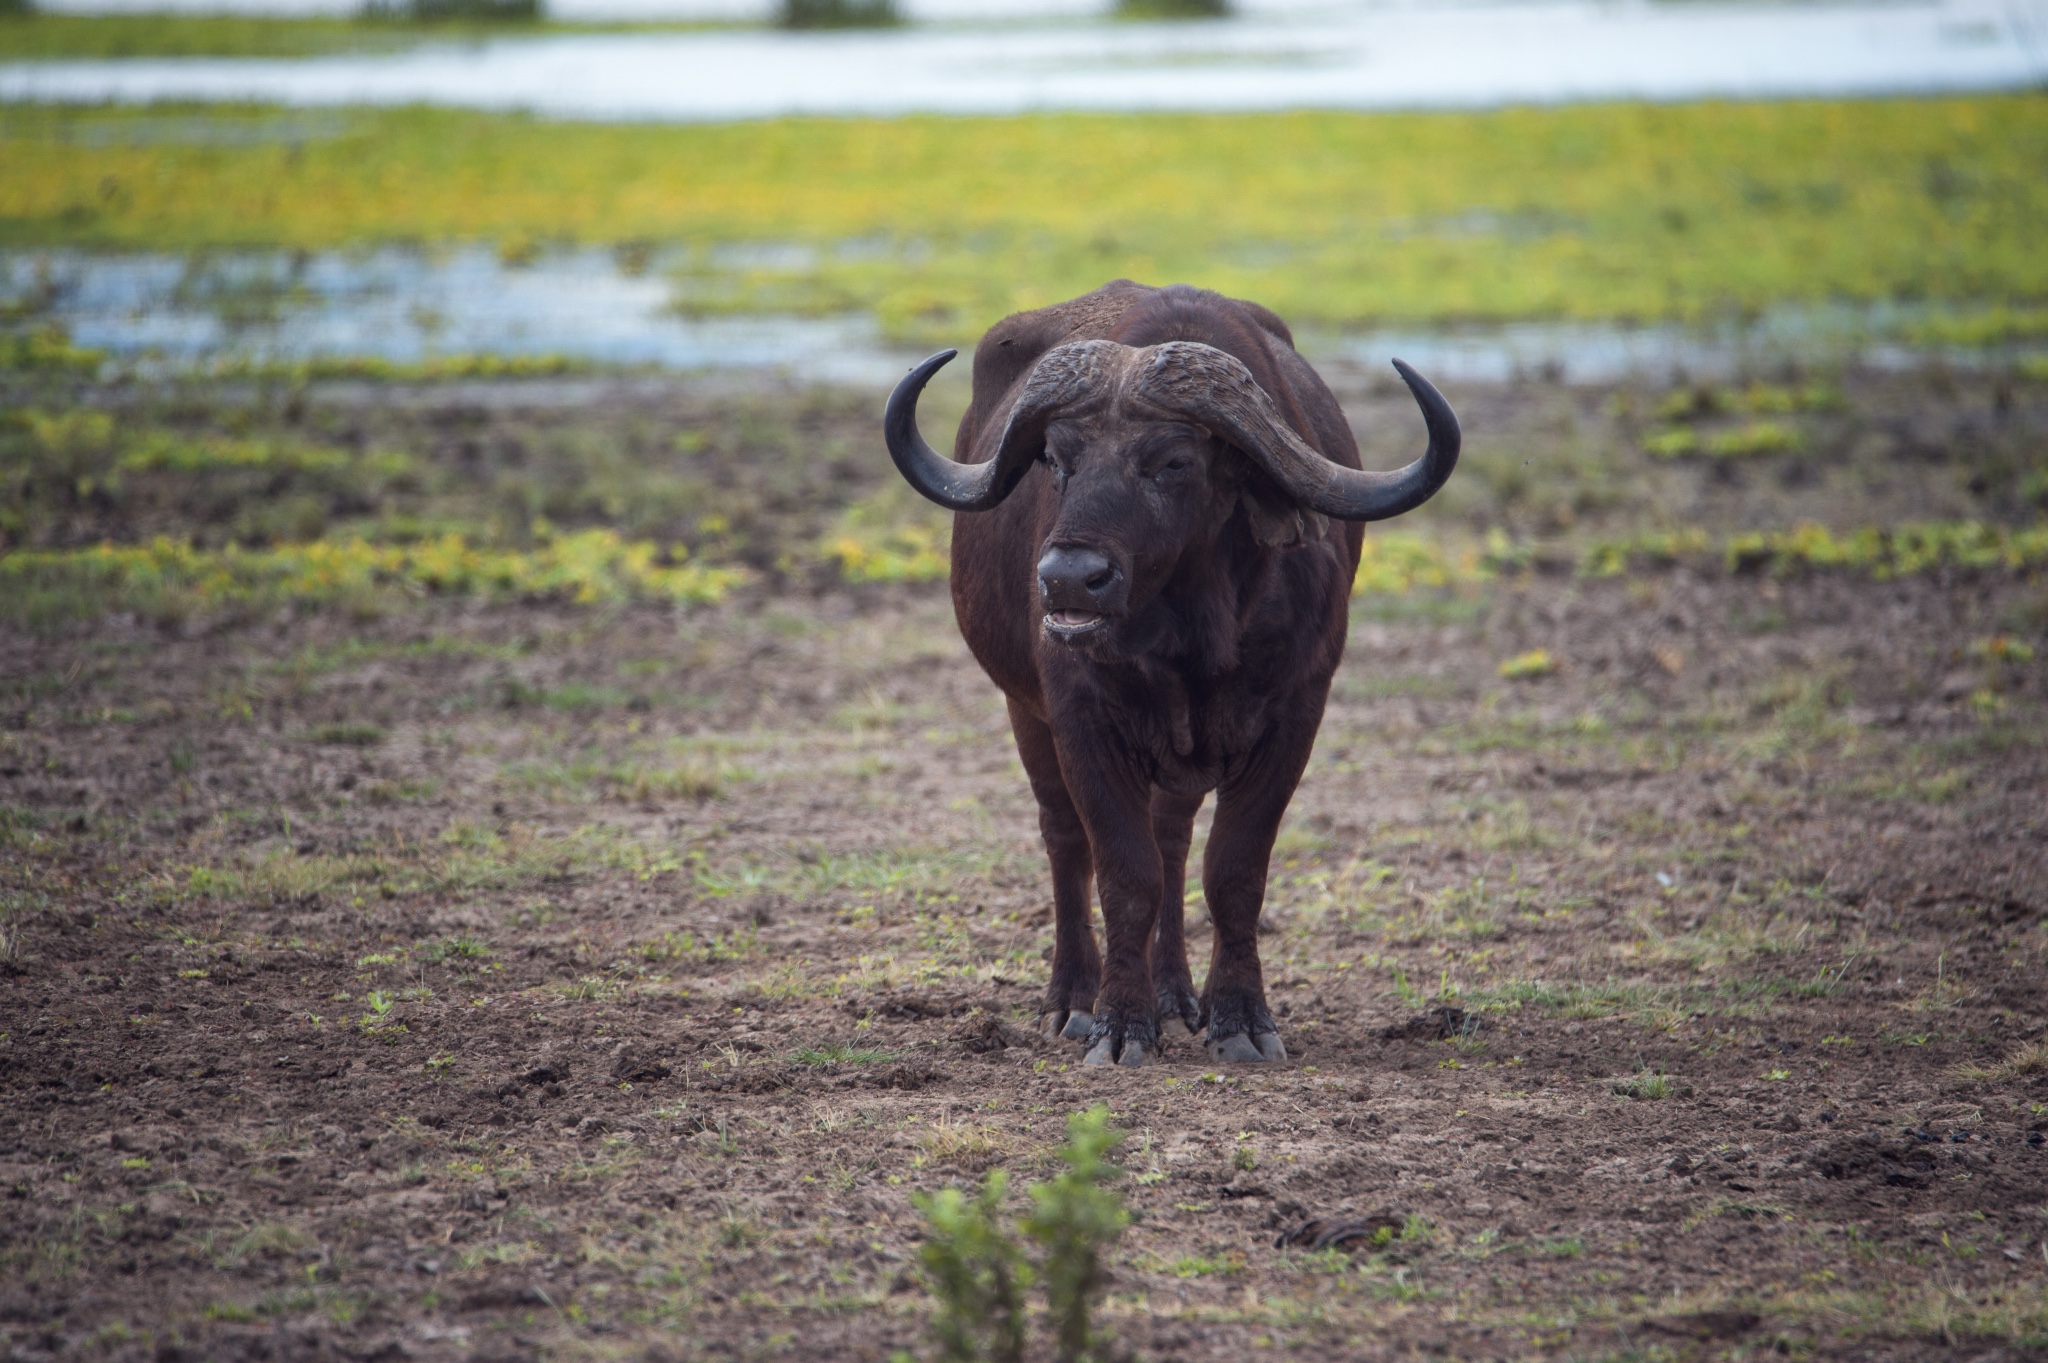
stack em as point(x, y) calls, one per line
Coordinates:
point(309, 179)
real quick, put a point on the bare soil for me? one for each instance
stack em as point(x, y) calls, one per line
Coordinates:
point(533, 981)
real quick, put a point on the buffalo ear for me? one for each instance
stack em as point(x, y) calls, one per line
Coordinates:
point(1278, 522)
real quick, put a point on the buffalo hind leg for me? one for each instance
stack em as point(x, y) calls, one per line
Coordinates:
point(1076, 964)
point(1248, 814)
point(1173, 828)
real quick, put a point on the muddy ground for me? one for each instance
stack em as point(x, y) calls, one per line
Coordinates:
point(518, 981)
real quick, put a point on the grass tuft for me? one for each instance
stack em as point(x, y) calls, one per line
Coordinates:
point(2031, 1058)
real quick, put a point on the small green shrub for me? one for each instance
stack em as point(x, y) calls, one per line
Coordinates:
point(977, 1272)
point(1076, 1219)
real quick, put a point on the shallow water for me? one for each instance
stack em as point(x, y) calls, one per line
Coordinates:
point(407, 306)
point(1335, 56)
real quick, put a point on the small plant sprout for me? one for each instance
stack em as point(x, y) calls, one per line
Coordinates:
point(378, 1020)
point(1648, 1085)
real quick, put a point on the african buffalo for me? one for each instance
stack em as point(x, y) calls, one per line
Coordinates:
point(1145, 564)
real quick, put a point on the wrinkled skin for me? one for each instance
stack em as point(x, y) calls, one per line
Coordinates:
point(1156, 641)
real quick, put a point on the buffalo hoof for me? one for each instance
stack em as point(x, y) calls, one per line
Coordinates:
point(1134, 1055)
point(1074, 1026)
point(1171, 1028)
point(1241, 1049)
point(1133, 1043)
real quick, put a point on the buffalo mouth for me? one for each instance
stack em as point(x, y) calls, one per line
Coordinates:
point(1073, 626)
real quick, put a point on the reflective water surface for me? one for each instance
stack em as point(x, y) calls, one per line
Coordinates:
point(587, 305)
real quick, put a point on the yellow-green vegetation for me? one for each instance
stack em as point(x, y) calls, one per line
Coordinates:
point(33, 37)
point(939, 225)
point(172, 511)
point(892, 538)
point(45, 349)
point(1880, 552)
point(101, 37)
point(1396, 561)
point(1537, 662)
point(1739, 442)
point(168, 580)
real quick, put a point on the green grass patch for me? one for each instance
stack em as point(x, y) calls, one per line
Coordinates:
point(940, 225)
point(1648, 1086)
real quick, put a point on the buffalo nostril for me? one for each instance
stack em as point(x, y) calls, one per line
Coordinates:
point(1067, 573)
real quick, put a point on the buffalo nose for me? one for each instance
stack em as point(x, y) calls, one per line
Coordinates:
point(1075, 577)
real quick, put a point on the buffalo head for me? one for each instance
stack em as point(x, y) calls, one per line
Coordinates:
point(1151, 449)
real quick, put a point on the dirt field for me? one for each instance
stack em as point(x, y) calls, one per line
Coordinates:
point(531, 980)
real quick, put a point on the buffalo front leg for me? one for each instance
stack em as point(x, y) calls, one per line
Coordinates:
point(1116, 807)
point(1076, 964)
point(1248, 814)
point(1173, 987)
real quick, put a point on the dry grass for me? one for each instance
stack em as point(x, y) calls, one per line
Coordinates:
point(2031, 1058)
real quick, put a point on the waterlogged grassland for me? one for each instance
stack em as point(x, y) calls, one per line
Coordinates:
point(233, 498)
point(937, 226)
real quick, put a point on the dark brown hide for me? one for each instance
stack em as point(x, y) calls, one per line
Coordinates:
point(1164, 621)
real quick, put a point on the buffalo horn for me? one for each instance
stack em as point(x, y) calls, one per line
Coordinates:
point(1064, 378)
point(1217, 390)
